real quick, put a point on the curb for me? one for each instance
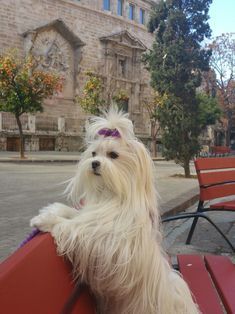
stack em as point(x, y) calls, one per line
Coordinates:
point(170, 209)
point(38, 160)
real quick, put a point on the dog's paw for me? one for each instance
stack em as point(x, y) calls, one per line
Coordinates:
point(60, 210)
point(45, 221)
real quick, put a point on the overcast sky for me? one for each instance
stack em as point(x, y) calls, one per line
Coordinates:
point(222, 17)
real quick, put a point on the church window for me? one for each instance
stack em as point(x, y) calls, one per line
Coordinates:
point(106, 5)
point(122, 67)
point(142, 16)
point(131, 11)
point(120, 7)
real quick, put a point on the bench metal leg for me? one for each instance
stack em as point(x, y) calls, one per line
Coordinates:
point(191, 231)
point(217, 228)
point(196, 216)
point(193, 226)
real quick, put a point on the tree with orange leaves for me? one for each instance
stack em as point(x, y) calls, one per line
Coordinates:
point(23, 87)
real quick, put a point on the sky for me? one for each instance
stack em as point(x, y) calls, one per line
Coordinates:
point(222, 17)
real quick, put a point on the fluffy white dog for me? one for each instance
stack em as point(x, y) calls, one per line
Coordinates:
point(114, 240)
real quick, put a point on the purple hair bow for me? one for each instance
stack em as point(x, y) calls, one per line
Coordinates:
point(109, 132)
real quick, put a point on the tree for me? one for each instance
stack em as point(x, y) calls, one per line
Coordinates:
point(23, 88)
point(121, 99)
point(175, 62)
point(223, 63)
point(180, 137)
point(92, 99)
point(209, 110)
point(152, 107)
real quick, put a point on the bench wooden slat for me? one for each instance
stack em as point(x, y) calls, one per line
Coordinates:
point(223, 273)
point(230, 205)
point(195, 273)
point(209, 178)
point(217, 191)
point(36, 280)
point(220, 149)
point(214, 163)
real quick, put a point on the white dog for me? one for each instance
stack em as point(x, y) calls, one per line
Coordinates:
point(114, 240)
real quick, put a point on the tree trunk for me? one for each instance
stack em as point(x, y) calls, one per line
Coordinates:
point(228, 131)
point(154, 147)
point(187, 169)
point(154, 139)
point(21, 136)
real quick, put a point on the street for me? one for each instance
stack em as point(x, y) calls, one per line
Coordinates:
point(27, 187)
point(24, 189)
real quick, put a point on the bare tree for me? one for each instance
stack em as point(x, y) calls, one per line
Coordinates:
point(223, 63)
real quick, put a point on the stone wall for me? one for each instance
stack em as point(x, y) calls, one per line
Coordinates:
point(72, 36)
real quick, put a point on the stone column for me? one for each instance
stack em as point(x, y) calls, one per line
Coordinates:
point(61, 124)
point(32, 123)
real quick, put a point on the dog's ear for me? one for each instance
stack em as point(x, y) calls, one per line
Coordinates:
point(146, 178)
point(114, 120)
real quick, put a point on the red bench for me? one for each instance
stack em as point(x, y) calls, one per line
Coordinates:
point(220, 150)
point(216, 177)
point(211, 280)
point(35, 280)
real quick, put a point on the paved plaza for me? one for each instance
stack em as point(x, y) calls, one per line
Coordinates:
point(26, 187)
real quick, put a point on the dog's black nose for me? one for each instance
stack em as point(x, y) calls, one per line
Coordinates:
point(95, 164)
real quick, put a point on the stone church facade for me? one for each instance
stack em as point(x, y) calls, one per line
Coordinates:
point(71, 37)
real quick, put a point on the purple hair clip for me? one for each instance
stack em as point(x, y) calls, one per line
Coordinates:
point(109, 132)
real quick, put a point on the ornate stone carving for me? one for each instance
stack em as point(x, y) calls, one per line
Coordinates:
point(122, 64)
point(52, 51)
point(56, 48)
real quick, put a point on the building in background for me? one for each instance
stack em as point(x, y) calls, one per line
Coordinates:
point(71, 37)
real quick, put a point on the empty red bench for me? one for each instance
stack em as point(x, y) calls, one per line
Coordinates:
point(220, 150)
point(216, 178)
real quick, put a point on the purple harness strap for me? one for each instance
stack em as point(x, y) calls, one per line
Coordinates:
point(31, 235)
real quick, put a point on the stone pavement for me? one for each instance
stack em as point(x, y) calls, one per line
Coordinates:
point(205, 240)
point(175, 194)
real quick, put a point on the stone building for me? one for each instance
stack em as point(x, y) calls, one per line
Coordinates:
point(71, 37)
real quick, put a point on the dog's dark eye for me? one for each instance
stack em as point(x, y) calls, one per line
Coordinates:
point(113, 155)
point(93, 154)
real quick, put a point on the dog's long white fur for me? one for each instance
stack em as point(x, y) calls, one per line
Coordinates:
point(114, 240)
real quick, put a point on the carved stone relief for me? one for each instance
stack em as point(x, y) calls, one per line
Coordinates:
point(56, 48)
point(54, 53)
